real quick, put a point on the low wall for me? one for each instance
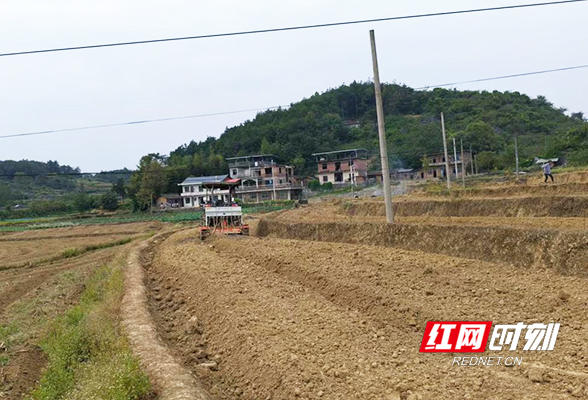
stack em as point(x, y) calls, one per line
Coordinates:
point(544, 206)
point(572, 188)
point(567, 252)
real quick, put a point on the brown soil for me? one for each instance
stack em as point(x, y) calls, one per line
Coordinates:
point(268, 318)
point(31, 246)
point(86, 230)
point(563, 251)
point(337, 212)
point(14, 284)
point(531, 206)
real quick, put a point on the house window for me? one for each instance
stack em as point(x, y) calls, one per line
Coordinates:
point(434, 173)
point(281, 181)
point(268, 171)
point(234, 172)
point(325, 178)
point(191, 188)
point(253, 197)
point(280, 170)
point(350, 163)
point(268, 182)
point(422, 175)
point(324, 165)
point(433, 160)
point(265, 196)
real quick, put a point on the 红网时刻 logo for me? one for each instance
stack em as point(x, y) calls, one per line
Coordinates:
point(473, 336)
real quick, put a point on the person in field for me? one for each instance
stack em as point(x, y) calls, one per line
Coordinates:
point(547, 171)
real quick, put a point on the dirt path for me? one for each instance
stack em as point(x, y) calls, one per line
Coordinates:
point(170, 379)
point(280, 319)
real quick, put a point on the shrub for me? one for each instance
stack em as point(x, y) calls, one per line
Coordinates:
point(314, 185)
point(109, 201)
point(83, 202)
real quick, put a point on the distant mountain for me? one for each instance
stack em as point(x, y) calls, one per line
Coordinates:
point(25, 180)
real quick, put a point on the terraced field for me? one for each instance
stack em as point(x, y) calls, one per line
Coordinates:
point(330, 303)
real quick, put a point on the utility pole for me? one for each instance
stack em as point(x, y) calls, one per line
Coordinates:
point(352, 182)
point(517, 156)
point(382, 133)
point(472, 159)
point(455, 160)
point(445, 151)
point(462, 164)
point(273, 181)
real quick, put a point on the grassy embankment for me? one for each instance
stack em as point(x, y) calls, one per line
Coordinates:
point(88, 355)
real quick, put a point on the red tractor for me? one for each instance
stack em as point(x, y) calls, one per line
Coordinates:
point(221, 216)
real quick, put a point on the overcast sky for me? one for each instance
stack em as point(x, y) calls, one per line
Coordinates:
point(103, 86)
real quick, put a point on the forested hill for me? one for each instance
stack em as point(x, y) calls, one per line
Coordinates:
point(487, 121)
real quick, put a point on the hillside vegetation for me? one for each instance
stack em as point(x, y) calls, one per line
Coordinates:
point(487, 121)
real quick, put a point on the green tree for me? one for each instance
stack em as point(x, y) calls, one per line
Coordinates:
point(119, 188)
point(487, 161)
point(482, 137)
point(109, 201)
point(148, 182)
point(83, 202)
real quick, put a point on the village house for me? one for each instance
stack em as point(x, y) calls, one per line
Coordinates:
point(436, 166)
point(195, 195)
point(263, 179)
point(169, 200)
point(343, 166)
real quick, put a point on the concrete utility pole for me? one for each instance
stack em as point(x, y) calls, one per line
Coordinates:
point(455, 160)
point(472, 159)
point(382, 134)
point(273, 181)
point(517, 156)
point(352, 181)
point(446, 155)
point(462, 164)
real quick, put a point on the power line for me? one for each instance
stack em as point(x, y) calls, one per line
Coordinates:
point(58, 174)
point(292, 28)
point(270, 108)
point(138, 122)
point(503, 77)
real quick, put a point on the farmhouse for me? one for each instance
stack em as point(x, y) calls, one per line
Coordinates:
point(263, 179)
point(434, 167)
point(195, 195)
point(343, 166)
point(170, 200)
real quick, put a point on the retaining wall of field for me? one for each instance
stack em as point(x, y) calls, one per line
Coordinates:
point(567, 252)
point(539, 206)
point(559, 189)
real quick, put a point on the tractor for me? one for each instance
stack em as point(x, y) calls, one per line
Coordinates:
point(221, 215)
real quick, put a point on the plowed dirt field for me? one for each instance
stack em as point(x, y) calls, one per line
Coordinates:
point(269, 318)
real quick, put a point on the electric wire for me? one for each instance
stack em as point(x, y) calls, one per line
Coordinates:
point(292, 28)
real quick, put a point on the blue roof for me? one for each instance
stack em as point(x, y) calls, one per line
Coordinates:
point(193, 180)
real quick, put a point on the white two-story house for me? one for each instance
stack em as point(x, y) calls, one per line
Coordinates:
point(195, 195)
